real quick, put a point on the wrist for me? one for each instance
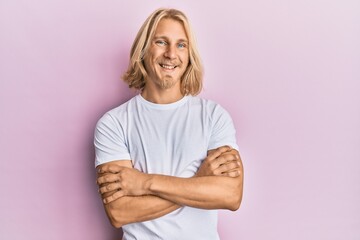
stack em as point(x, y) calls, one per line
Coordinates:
point(148, 183)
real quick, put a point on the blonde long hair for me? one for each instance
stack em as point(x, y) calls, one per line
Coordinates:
point(191, 81)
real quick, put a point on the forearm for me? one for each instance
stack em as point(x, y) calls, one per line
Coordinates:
point(130, 209)
point(212, 188)
point(211, 192)
point(132, 196)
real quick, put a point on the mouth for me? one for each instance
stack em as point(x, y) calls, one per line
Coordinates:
point(169, 67)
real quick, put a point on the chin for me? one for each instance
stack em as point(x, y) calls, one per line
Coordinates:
point(167, 83)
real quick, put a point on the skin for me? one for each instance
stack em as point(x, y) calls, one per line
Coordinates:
point(124, 206)
point(168, 47)
point(218, 183)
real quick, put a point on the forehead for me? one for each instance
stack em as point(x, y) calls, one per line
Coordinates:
point(170, 28)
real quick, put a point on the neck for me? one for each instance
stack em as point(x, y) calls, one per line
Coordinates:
point(161, 96)
point(165, 96)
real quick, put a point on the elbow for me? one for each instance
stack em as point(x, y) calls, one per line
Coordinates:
point(237, 195)
point(115, 223)
point(115, 218)
point(235, 203)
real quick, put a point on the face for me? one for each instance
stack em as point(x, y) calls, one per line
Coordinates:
point(168, 55)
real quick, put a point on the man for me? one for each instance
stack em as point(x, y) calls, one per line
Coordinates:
point(166, 158)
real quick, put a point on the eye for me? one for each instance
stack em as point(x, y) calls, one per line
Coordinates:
point(160, 43)
point(182, 45)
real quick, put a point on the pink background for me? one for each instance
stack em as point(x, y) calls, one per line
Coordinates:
point(287, 71)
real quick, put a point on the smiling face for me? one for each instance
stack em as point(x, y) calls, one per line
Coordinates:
point(167, 57)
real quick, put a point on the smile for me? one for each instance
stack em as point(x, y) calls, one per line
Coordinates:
point(168, 66)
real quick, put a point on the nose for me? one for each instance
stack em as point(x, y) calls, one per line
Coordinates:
point(170, 52)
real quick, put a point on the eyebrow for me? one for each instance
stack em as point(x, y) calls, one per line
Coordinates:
point(164, 37)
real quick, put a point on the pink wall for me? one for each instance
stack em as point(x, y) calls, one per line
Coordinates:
point(287, 71)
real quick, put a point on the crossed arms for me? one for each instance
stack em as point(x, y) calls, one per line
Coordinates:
point(132, 196)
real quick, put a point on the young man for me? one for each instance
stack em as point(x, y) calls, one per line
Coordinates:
point(166, 158)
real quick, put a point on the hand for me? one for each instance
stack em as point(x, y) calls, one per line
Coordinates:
point(223, 161)
point(121, 180)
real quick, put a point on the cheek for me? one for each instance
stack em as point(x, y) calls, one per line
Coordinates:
point(185, 58)
point(149, 62)
point(146, 64)
point(155, 53)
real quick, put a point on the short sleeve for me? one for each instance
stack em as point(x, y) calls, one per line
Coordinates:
point(222, 129)
point(109, 141)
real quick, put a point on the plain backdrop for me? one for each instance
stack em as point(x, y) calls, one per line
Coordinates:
point(287, 71)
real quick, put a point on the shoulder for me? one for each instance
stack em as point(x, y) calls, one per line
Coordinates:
point(208, 106)
point(118, 114)
point(198, 101)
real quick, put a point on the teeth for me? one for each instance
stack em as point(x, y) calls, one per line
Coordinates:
point(167, 66)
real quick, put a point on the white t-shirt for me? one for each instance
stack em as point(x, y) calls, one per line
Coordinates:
point(170, 139)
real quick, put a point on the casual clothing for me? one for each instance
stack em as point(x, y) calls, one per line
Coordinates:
point(170, 139)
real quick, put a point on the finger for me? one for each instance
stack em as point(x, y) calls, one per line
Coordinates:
point(109, 168)
point(108, 178)
point(235, 173)
point(113, 197)
point(225, 148)
point(217, 162)
point(217, 152)
point(224, 158)
point(233, 153)
point(228, 166)
point(110, 187)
